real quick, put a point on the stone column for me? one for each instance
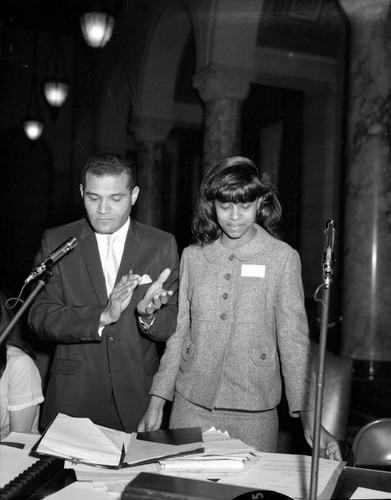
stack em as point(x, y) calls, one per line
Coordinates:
point(150, 135)
point(367, 233)
point(222, 90)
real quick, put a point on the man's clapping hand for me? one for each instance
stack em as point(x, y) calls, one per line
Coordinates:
point(119, 298)
point(156, 296)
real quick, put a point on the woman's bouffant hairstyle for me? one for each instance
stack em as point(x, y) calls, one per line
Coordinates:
point(237, 180)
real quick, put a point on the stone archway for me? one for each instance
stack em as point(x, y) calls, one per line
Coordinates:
point(160, 112)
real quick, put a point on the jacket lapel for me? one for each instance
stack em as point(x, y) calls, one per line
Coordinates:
point(131, 250)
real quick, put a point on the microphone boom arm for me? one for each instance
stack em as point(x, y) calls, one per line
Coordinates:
point(328, 264)
point(49, 262)
point(40, 284)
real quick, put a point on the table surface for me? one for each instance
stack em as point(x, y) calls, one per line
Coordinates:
point(350, 479)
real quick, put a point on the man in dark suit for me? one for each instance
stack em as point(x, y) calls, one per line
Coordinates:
point(107, 335)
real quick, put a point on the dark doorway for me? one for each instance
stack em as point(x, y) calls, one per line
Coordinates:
point(272, 122)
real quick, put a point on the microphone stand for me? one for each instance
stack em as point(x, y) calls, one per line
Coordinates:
point(40, 284)
point(328, 262)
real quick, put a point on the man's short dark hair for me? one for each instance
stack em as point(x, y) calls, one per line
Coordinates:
point(110, 164)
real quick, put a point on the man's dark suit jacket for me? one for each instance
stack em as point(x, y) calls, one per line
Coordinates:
point(67, 311)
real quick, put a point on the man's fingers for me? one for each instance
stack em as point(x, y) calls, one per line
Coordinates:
point(163, 276)
point(131, 280)
point(155, 296)
point(163, 297)
point(122, 290)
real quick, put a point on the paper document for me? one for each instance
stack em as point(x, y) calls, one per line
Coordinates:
point(79, 440)
point(84, 491)
point(267, 471)
point(222, 455)
point(366, 493)
point(220, 443)
point(208, 464)
point(141, 451)
point(86, 472)
point(13, 462)
point(27, 440)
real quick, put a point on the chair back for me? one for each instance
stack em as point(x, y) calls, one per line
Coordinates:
point(372, 444)
point(336, 391)
point(335, 405)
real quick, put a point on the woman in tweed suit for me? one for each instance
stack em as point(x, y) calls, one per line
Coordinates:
point(241, 320)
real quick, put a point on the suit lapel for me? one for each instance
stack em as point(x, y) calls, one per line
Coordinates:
point(90, 253)
point(131, 249)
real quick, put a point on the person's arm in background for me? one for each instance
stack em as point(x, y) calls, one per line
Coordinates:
point(163, 385)
point(23, 420)
point(328, 445)
point(24, 394)
point(295, 351)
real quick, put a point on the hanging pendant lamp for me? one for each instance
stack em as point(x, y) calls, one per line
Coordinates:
point(33, 123)
point(97, 28)
point(55, 84)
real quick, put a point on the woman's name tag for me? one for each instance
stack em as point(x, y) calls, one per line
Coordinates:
point(253, 271)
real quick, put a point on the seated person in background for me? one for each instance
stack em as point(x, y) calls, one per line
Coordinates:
point(20, 385)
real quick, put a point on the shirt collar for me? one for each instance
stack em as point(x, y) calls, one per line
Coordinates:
point(215, 251)
point(120, 234)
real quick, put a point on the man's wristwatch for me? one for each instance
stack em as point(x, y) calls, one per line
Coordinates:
point(147, 321)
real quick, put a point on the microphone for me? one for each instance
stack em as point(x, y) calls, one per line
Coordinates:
point(56, 255)
point(328, 255)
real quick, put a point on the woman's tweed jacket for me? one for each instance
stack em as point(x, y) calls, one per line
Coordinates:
point(241, 322)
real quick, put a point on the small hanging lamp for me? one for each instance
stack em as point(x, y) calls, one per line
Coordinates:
point(97, 28)
point(55, 92)
point(33, 123)
point(55, 83)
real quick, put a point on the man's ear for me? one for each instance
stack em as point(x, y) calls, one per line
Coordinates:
point(81, 190)
point(134, 194)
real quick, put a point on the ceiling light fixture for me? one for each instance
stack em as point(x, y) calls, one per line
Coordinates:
point(33, 123)
point(97, 28)
point(55, 84)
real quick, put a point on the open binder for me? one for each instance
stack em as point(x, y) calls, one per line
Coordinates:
point(80, 440)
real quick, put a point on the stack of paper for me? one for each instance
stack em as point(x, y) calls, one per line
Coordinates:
point(147, 447)
point(222, 455)
point(220, 443)
point(81, 441)
point(202, 464)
